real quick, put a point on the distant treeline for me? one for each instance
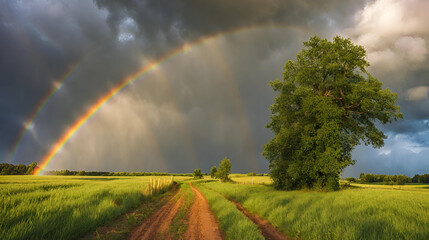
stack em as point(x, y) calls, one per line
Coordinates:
point(20, 169)
point(390, 179)
point(421, 178)
point(94, 173)
point(84, 173)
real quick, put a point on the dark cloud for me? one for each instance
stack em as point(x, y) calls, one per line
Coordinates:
point(410, 126)
point(164, 24)
point(201, 105)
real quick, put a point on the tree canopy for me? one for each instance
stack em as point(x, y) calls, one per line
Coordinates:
point(327, 103)
point(19, 169)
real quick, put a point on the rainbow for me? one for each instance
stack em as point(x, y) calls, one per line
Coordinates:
point(98, 104)
point(126, 82)
point(29, 123)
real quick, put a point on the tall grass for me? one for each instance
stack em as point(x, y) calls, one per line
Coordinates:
point(232, 222)
point(61, 207)
point(159, 185)
point(360, 213)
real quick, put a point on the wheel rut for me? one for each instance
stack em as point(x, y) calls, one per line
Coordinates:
point(157, 225)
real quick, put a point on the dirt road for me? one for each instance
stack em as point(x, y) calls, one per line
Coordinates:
point(202, 222)
point(157, 225)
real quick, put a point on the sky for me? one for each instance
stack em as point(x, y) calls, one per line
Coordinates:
point(208, 97)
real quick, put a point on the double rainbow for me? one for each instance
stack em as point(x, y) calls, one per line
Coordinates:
point(123, 84)
point(103, 100)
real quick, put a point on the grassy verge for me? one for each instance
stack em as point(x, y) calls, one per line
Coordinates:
point(64, 207)
point(232, 222)
point(179, 224)
point(359, 213)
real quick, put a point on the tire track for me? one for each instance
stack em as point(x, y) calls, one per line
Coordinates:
point(268, 231)
point(202, 222)
point(157, 225)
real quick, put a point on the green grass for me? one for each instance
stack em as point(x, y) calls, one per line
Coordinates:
point(356, 213)
point(232, 222)
point(64, 207)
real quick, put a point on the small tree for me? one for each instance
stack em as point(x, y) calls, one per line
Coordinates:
point(197, 174)
point(224, 169)
point(213, 172)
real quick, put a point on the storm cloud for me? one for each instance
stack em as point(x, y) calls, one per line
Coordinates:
point(205, 103)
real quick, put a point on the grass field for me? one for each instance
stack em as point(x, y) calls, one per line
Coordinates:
point(367, 212)
point(61, 207)
point(408, 187)
point(243, 178)
point(68, 207)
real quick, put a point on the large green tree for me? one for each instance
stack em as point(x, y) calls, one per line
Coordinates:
point(327, 103)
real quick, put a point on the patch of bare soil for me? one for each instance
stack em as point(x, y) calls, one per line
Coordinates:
point(267, 230)
point(202, 223)
point(157, 225)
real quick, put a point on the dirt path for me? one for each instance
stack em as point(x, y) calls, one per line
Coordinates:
point(202, 223)
point(157, 225)
point(267, 230)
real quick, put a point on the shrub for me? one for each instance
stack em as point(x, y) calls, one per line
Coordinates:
point(197, 174)
point(351, 179)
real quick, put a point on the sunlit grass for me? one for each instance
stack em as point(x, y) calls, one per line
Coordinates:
point(63, 207)
point(357, 213)
point(408, 187)
point(243, 178)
